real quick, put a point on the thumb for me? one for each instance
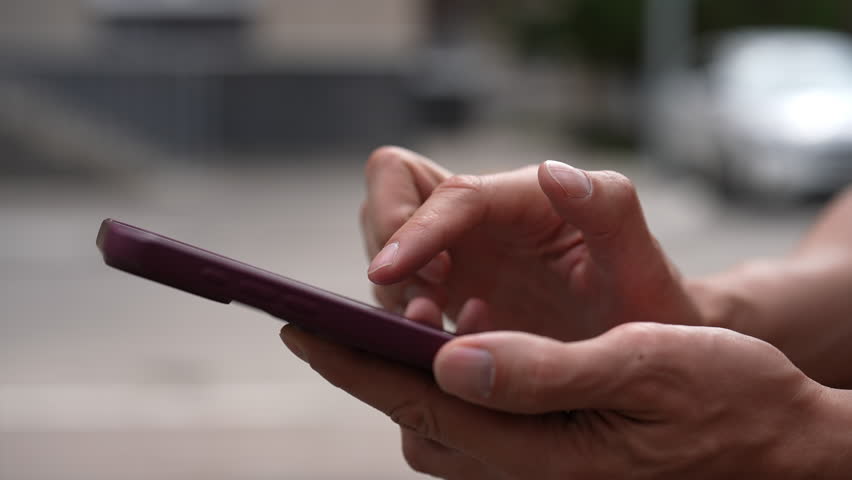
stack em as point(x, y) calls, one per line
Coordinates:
point(523, 373)
point(605, 208)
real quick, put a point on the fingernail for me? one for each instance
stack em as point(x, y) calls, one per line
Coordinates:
point(385, 258)
point(293, 346)
point(469, 370)
point(433, 272)
point(575, 183)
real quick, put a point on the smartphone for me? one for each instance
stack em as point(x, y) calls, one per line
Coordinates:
point(224, 280)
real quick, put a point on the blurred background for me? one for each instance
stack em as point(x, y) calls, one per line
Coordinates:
point(242, 126)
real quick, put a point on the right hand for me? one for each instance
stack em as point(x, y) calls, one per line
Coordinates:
point(517, 250)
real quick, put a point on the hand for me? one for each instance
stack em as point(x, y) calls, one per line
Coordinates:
point(644, 400)
point(550, 250)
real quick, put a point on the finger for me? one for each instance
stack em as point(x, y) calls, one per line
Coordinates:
point(427, 456)
point(395, 297)
point(473, 317)
point(605, 208)
point(633, 368)
point(398, 182)
point(425, 311)
point(437, 270)
point(456, 206)
point(412, 400)
point(391, 297)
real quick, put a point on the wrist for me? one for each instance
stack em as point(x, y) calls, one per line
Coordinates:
point(799, 304)
point(816, 441)
point(750, 299)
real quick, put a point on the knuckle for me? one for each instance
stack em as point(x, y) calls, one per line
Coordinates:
point(382, 157)
point(462, 184)
point(384, 222)
point(640, 340)
point(620, 195)
point(650, 372)
point(636, 331)
point(416, 416)
point(394, 218)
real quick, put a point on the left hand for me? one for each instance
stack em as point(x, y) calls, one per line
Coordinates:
point(643, 400)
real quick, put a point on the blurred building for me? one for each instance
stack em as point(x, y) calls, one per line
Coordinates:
point(294, 28)
point(222, 76)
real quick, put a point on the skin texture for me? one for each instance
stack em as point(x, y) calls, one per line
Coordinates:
point(640, 401)
point(594, 380)
point(529, 255)
point(800, 303)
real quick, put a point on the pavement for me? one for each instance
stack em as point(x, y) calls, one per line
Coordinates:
point(104, 375)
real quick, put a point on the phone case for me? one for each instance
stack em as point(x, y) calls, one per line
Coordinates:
point(222, 279)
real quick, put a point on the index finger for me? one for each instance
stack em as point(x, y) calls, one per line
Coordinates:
point(398, 182)
point(456, 206)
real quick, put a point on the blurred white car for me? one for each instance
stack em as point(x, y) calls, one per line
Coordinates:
point(769, 113)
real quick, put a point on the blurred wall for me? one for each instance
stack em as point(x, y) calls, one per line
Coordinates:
point(338, 28)
point(314, 29)
point(203, 76)
point(54, 26)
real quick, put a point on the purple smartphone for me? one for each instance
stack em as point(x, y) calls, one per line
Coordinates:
point(222, 279)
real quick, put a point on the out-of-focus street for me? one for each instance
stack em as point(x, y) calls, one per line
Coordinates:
point(243, 126)
point(104, 376)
